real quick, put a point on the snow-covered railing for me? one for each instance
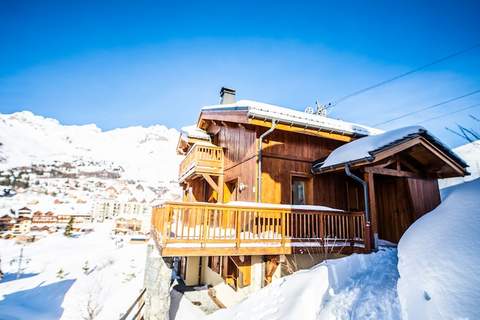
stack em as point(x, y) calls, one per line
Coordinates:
point(201, 159)
point(197, 225)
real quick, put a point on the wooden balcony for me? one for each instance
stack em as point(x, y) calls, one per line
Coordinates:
point(206, 229)
point(201, 159)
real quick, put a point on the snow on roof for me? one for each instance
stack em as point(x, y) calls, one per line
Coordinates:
point(364, 148)
point(279, 206)
point(286, 115)
point(194, 132)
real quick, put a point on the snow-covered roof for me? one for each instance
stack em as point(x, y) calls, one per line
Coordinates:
point(194, 132)
point(262, 110)
point(364, 148)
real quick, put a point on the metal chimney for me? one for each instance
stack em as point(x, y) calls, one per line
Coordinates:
point(227, 95)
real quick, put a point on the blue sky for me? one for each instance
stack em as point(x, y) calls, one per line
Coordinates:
point(122, 63)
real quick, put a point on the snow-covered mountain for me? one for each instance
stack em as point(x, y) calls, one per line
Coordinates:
point(143, 153)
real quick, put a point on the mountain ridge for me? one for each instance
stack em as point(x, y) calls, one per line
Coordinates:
point(145, 153)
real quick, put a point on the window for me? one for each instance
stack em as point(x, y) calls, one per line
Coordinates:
point(298, 190)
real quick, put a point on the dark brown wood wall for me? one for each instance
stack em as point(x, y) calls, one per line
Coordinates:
point(240, 162)
point(285, 154)
point(239, 143)
point(336, 190)
point(425, 195)
point(401, 201)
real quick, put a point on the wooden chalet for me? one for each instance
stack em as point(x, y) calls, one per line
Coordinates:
point(269, 190)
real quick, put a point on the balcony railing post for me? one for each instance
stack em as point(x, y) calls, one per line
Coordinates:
point(322, 227)
point(205, 227)
point(166, 223)
point(237, 228)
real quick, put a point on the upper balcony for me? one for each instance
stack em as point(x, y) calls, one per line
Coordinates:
point(201, 159)
point(202, 229)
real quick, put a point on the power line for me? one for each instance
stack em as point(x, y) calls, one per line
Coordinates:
point(449, 113)
point(381, 83)
point(427, 108)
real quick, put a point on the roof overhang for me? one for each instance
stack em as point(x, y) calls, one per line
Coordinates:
point(241, 115)
point(189, 136)
point(428, 154)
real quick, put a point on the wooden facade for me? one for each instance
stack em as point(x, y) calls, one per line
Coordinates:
point(300, 210)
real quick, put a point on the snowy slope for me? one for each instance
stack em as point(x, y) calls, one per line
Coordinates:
point(112, 279)
point(439, 260)
point(354, 287)
point(144, 153)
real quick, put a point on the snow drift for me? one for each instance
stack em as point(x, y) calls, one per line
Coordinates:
point(439, 260)
point(355, 287)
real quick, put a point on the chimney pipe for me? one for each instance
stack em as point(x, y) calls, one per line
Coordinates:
point(227, 95)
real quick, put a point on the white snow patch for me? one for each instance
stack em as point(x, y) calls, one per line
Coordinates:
point(182, 309)
point(355, 287)
point(112, 277)
point(439, 259)
point(469, 152)
point(194, 132)
point(268, 111)
point(361, 148)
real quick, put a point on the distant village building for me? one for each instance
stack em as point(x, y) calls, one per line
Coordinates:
point(24, 212)
point(6, 222)
point(44, 221)
point(23, 225)
point(79, 220)
point(109, 209)
point(128, 226)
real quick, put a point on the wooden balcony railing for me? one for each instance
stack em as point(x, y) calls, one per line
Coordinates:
point(201, 159)
point(214, 229)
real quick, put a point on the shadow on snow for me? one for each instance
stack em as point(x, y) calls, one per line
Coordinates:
point(13, 276)
point(40, 303)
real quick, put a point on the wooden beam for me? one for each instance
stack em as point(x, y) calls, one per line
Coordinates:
point(419, 140)
point(373, 203)
point(396, 149)
point(220, 188)
point(406, 161)
point(443, 157)
point(392, 172)
point(301, 130)
point(228, 116)
point(386, 164)
point(210, 181)
point(253, 251)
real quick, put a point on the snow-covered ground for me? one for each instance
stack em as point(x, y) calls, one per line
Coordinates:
point(355, 287)
point(62, 276)
point(439, 259)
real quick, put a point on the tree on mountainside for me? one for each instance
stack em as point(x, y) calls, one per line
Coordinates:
point(69, 228)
